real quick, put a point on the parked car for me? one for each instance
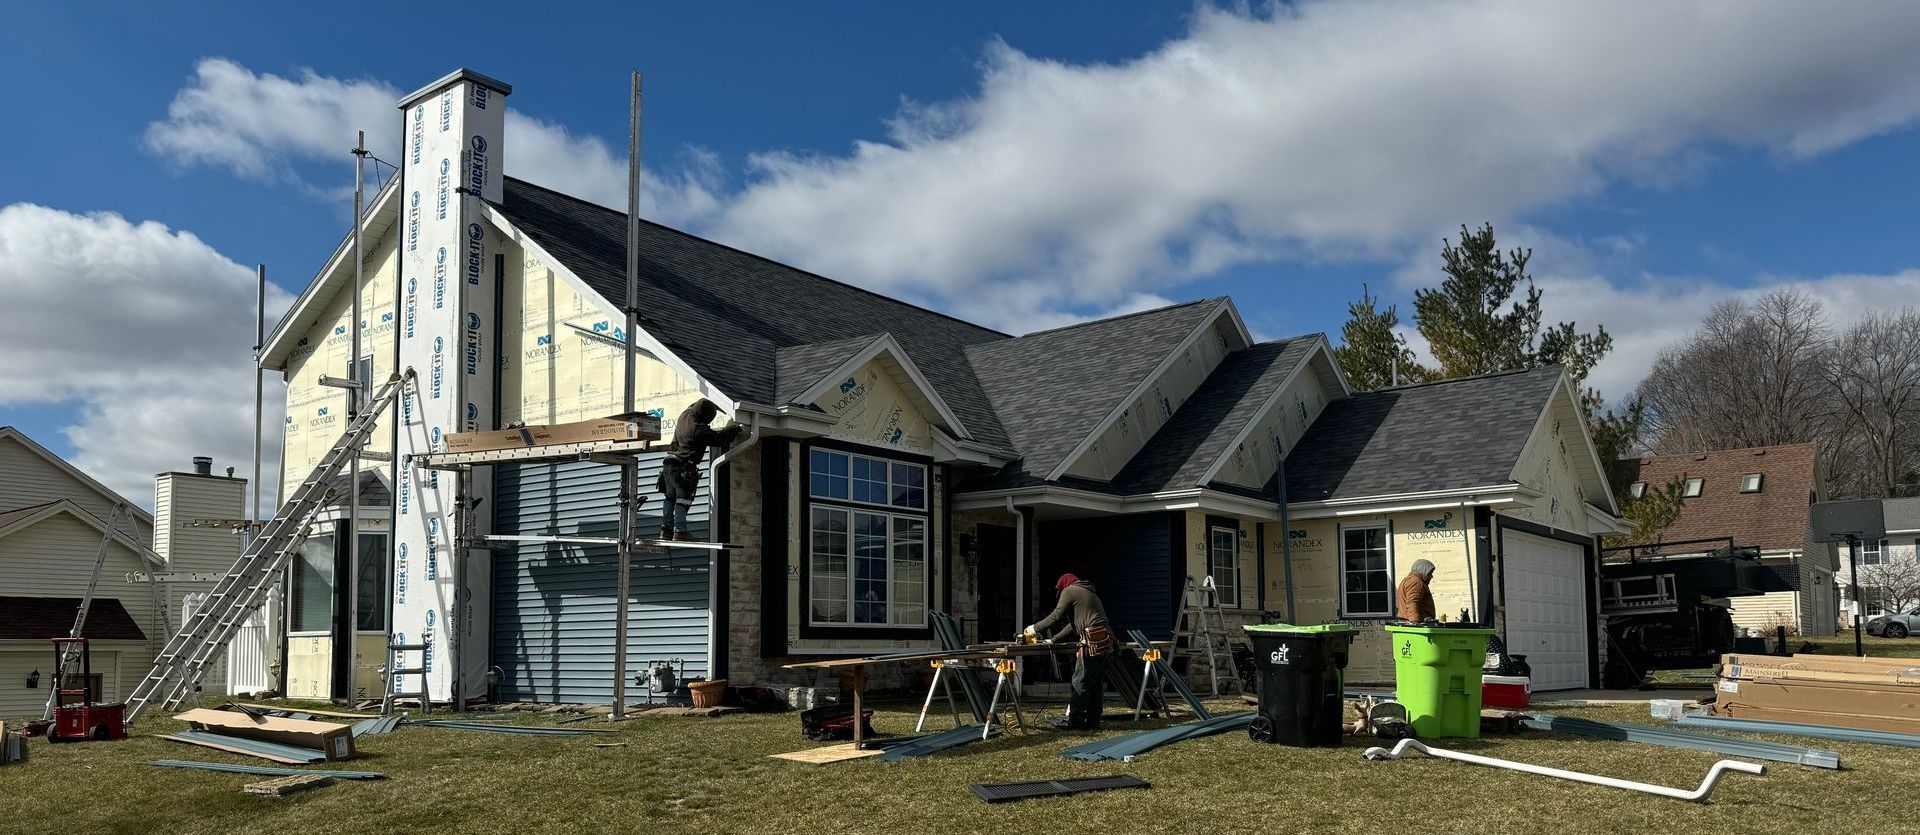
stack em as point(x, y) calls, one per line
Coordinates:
point(1895, 626)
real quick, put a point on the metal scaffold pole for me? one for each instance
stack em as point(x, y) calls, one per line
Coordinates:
point(356, 398)
point(629, 469)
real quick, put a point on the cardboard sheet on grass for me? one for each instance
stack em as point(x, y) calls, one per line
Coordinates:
point(333, 739)
point(1877, 694)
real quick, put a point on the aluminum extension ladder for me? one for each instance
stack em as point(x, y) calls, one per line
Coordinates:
point(71, 652)
point(177, 669)
point(1202, 626)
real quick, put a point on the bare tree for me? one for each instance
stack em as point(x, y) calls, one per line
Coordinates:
point(1875, 378)
point(1895, 584)
point(1754, 374)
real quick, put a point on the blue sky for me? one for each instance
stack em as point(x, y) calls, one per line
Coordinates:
point(1272, 155)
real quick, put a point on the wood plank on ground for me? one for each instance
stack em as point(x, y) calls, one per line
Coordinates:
point(283, 786)
point(828, 754)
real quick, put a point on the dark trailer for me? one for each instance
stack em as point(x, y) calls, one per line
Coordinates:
point(1667, 604)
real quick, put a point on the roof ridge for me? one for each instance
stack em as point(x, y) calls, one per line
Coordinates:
point(1468, 378)
point(1121, 317)
point(758, 257)
point(1698, 453)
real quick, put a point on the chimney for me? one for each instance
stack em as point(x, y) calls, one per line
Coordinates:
point(202, 465)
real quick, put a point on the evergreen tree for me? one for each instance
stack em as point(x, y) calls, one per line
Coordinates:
point(1370, 353)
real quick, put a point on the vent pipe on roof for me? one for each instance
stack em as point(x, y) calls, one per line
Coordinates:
point(202, 465)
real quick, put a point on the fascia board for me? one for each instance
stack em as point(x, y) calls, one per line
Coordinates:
point(641, 338)
point(1140, 390)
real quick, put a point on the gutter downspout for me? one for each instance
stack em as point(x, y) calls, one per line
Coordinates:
point(1019, 563)
point(1286, 535)
point(1466, 545)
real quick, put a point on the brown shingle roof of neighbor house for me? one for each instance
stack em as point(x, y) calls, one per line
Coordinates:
point(1773, 518)
point(41, 618)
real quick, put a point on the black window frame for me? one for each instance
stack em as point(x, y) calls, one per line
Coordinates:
point(935, 550)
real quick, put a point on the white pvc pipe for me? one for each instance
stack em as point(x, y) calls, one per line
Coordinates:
point(1706, 786)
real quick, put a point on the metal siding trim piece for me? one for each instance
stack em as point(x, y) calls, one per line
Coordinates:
point(257, 747)
point(934, 743)
point(1133, 745)
point(1009, 792)
point(1759, 726)
point(1650, 735)
point(266, 771)
point(1167, 675)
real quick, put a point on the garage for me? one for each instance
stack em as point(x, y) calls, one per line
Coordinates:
point(1546, 604)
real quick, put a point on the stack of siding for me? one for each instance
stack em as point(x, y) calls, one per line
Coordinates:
point(1874, 694)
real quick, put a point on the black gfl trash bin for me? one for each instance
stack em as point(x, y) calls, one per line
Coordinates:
point(1302, 683)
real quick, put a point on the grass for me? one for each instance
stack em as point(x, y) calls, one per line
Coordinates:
point(1842, 644)
point(713, 776)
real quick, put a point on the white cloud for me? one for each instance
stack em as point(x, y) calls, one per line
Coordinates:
point(273, 128)
point(1328, 128)
point(148, 330)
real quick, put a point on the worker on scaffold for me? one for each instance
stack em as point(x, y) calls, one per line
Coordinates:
point(679, 478)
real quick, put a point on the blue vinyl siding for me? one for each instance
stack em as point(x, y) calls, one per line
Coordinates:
point(553, 604)
point(1129, 559)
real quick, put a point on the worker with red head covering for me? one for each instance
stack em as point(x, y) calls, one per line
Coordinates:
point(1081, 613)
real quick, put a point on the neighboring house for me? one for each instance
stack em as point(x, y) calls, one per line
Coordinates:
point(53, 518)
point(898, 460)
point(1760, 497)
point(1894, 559)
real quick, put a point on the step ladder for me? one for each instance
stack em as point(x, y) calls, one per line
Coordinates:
point(396, 655)
point(177, 669)
point(70, 653)
point(1200, 632)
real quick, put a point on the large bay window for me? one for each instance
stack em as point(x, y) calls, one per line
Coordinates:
point(867, 526)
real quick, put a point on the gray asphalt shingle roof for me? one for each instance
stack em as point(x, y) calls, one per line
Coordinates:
point(1181, 452)
point(798, 367)
point(728, 313)
point(1052, 388)
point(1413, 439)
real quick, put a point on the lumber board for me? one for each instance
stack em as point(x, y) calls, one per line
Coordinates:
point(829, 754)
point(266, 771)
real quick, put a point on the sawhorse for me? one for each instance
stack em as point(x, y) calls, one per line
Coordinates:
point(1008, 681)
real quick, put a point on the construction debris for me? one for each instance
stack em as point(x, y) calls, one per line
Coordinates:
point(294, 712)
point(829, 754)
point(1009, 792)
point(1671, 738)
point(332, 738)
point(292, 784)
point(1699, 794)
point(503, 728)
point(920, 746)
point(1125, 748)
point(267, 771)
point(377, 725)
point(13, 745)
point(277, 752)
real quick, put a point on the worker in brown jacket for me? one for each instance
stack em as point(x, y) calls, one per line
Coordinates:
point(1413, 600)
point(1081, 613)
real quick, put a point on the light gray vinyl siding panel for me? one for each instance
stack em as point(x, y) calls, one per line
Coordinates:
point(28, 479)
point(553, 607)
point(54, 559)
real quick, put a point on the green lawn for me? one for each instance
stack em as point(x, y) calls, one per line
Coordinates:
point(713, 776)
point(1842, 644)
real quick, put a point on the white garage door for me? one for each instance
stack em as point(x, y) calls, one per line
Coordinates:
point(1546, 588)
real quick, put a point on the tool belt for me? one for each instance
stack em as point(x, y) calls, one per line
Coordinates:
point(1097, 641)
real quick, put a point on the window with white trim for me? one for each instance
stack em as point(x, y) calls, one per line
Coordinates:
point(1873, 552)
point(1223, 563)
point(867, 535)
point(1366, 572)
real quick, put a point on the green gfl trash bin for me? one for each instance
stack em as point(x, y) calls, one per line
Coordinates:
point(1437, 677)
point(1302, 682)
